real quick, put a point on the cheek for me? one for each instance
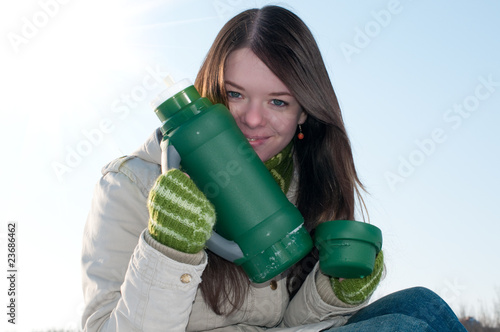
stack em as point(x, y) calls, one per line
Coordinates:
point(285, 126)
point(234, 111)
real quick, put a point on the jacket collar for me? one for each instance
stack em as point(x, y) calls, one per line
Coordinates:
point(150, 150)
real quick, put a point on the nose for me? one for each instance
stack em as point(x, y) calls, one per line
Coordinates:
point(253, 115)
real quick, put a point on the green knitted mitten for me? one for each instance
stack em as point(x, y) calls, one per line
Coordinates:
point(180, 216)
point(356, 291)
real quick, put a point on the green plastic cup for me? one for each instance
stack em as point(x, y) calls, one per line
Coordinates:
point(347, 248)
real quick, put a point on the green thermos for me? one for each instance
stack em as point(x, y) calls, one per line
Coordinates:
point(257, 227)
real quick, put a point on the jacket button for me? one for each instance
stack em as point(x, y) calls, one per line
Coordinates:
point(273, 284)
point(186, 278)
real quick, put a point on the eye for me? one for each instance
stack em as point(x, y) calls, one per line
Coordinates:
point(278, 102)
point(233, 94)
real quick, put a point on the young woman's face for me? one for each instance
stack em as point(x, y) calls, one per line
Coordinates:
point(261, 104)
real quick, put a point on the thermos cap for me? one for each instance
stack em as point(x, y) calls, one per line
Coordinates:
point(347, 248)
point(170, 91)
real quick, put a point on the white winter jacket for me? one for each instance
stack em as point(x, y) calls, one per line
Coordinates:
point(133, 283)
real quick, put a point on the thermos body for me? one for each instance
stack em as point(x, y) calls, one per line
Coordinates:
point(250, 206)
point(228, 171)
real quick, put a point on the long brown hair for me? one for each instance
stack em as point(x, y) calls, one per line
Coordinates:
point(328, 182)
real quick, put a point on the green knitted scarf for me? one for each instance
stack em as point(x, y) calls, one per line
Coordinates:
point(281, 167)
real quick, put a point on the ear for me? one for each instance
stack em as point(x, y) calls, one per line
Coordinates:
point(302, 118)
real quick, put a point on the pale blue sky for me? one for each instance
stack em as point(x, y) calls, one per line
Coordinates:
point(76, 83)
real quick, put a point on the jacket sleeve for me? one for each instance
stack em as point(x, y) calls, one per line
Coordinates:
point(128, 285)
point(308, 306)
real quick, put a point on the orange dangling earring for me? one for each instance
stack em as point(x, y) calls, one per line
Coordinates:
point(300, 135)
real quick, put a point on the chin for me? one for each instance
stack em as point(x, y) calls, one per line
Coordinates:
point(262, 157)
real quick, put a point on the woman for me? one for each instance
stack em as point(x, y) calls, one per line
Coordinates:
point(143, 252)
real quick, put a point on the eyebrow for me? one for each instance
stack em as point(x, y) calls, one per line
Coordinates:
point(271, 94)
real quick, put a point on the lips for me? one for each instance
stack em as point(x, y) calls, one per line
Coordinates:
point(256, 140)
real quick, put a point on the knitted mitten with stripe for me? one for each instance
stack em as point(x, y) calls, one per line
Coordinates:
point(356, 291)
point(180, 216)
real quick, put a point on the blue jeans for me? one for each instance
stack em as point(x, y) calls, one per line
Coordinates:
point(413, 309)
